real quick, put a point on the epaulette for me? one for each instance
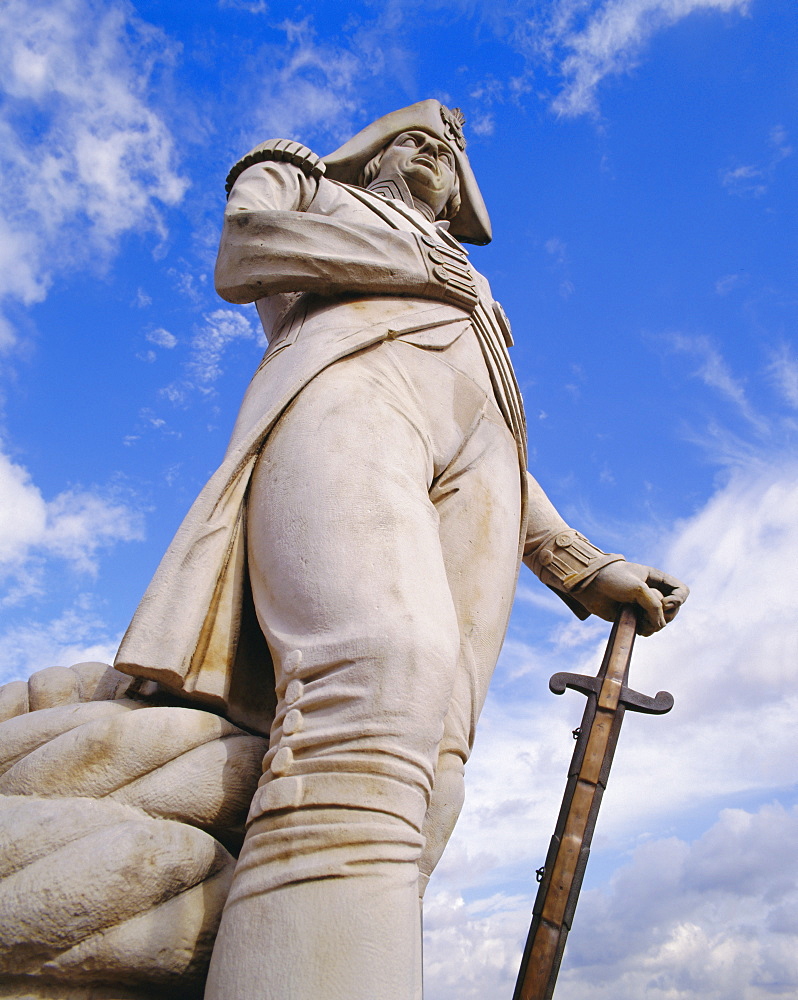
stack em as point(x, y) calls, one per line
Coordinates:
point(283, 151)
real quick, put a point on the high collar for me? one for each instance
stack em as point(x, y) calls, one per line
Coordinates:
point(397, 189)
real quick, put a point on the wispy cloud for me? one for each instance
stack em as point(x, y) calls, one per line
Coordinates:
point(219, 331)
point(753, 179)
point(318, 89)
point(162, 338)
point(783, 370)
point(221, 328)
point(715, 373)
point(77, 635)
point(82, 150)
point(557, 251)
point(314, 88)
point(586, 41)
point(745, 180)
point(250, 6)
point(728, 282)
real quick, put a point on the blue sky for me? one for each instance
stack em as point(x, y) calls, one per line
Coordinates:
point(637, 157)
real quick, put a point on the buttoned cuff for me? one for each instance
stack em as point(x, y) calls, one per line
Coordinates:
point(451, 279)
point(566, 560)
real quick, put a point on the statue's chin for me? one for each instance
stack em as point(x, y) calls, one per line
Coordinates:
point(424, 186)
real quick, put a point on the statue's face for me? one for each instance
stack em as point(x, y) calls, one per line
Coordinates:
point(426, 165)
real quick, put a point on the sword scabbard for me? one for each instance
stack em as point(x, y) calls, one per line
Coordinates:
point(597, 736)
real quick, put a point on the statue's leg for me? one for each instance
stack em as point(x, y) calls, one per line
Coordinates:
point(352, 592)
point(479, 502)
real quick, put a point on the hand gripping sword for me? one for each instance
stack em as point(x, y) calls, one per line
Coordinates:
point(561, 877)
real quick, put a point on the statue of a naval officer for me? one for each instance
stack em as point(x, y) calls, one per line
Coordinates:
point(345, 579)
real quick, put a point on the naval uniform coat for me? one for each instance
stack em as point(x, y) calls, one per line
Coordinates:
point(333, 269)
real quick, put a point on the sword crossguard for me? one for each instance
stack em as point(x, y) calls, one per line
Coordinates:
point(660, 704)
point(633, 700)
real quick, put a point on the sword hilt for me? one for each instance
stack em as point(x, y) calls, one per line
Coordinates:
point(661, 703)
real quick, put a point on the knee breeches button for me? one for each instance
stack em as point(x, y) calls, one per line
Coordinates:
point(282, 761)
point(294, 691)
point(293, 722)
point(292, 661)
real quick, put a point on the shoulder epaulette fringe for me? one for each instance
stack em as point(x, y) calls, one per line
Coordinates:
point(283, 151)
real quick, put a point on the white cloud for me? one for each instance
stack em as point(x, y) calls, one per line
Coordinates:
point(162, 338)
point(220, 330)
point(728, 283)
point(779, 142)
point(557, 250)
point(586, 41)
point(730, 660)
point(714, 919)
point(81, 149)
point(8, 335)
point(471, 951)
point(752, 180)
point(715, 373)
point(745, 180)
point(73, 527)
point(80, 523)
point(316, 91)
point(77, 635)
point(483, 124)
point(176, 392)
point(191, 284)
point(731, 657)
point(250, 6)
point(783, 370)
point(313, 86)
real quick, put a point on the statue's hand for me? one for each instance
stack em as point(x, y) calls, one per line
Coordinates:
point(658, 594)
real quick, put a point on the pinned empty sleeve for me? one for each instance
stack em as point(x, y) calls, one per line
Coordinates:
point(281, 151)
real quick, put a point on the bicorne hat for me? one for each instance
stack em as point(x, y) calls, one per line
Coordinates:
point(472, 223)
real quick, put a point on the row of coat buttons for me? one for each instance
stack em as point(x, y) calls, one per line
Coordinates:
point(293, 722)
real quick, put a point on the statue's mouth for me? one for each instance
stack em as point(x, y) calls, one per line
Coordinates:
point(426, 161)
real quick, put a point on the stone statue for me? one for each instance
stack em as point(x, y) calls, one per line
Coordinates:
point(343, 582)
point(120, 819)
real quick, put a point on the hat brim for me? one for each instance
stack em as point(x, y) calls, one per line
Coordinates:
point(472, 222)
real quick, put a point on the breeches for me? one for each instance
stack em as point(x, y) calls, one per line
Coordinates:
point(383, 536)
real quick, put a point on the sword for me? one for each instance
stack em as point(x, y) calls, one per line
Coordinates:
point(560, 879)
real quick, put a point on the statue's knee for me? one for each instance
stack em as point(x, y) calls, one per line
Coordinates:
point(448, 794)
point(449, 787)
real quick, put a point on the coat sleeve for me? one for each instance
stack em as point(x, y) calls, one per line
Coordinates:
point(558, 555)
point(271, 244)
